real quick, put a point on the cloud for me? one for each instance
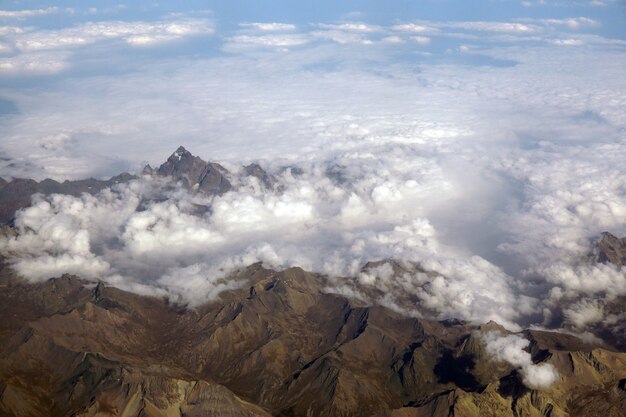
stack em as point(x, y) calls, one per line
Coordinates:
point(197, 283)
point(133, 33)
point(342, 37)
point(55, 142)
point(269, 27)
point(167, 248)
point(50, 51)
point(584, 313)
point(412, 28)
point(36, 63)
point(567, 4)
point(571, 23)
point(21, 14)
point(268, 40)
point(507, 27)
point(484, 175)
point(511, 349)
point(351, 27)
point(587, 279)
point(422, 40)
point(567, 42)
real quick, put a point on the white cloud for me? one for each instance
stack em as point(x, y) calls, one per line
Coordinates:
point(20, 14)
point(571, 23)
point(507, 27)
point(422, 40)
point(37, 63)
point(567, 42)
point(584, 313)
point(50, 51)
point(269, 26)
point(587, 279)
point(10, 30)
point(351, 27)
point(566, 4)
point(510, 349)
point(494, 179)
point(133, 33)
point(393, 39)
point(197, 283)
point(269, 40)
point(342, 37)
point(412, 28)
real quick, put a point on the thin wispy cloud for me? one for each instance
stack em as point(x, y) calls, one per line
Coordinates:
point(269, 26)
point(25, 13)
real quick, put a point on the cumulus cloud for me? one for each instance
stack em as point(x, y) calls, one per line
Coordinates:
point(584, 313)
point(144, 235)
point(511, 349)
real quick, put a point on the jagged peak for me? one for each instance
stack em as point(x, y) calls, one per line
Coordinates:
point(180, 153)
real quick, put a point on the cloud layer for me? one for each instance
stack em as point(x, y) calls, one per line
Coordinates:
point(482, 156)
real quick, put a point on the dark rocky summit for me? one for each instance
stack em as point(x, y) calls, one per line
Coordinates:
point(190, 171)
point(611, 249)
point(209, 177)
point(267, 180)
point(17, 193)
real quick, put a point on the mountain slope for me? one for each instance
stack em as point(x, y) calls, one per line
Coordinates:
point(280, 347)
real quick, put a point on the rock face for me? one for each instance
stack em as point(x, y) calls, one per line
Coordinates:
point(209, 177)
point(267, 180)
point(17, 194)
point(279, 347)
point(191, 171)
point(611, 249)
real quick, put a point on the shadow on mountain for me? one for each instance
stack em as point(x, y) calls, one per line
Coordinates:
point(457, 370)
point(511, 386)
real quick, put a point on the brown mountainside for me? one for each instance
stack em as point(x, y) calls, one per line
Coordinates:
point(280, 347)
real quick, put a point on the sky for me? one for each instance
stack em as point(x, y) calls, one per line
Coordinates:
point(482, 140)
point(79, 81)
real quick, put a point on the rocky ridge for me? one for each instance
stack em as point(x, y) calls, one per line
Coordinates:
point(610, 249)
point(279, 347)
point(181, 167)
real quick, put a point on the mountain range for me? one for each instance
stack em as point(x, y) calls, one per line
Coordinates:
point(280, 346)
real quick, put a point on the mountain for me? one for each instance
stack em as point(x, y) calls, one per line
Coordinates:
point(209, 177)
point(280, 347)
point(611, 249)
point(190, 171)
point(16, 194)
